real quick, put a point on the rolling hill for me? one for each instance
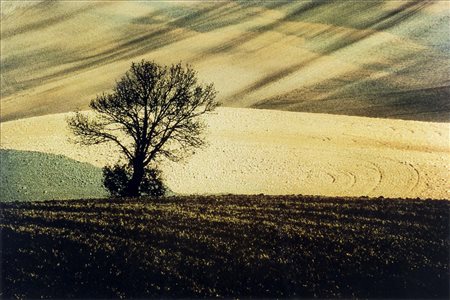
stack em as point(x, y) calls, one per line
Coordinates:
point(28, 175)
point(254, 151)
point(365, 58)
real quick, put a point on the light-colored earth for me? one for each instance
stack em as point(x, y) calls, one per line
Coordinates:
point(361, 58)
point(274, 152)
point(366, 58)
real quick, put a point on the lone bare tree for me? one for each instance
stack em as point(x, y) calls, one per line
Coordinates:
point(153, 111)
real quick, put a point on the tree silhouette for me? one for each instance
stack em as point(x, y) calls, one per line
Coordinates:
point(153, 111)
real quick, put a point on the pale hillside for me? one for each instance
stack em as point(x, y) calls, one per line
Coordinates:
point(369, 58)
point(273, 152)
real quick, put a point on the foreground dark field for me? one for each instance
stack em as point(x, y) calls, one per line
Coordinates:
point(260, 246)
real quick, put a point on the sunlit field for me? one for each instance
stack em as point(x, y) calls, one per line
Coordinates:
point(366, 58)
point(252, 151)
point(344, 101)
point(226, 246)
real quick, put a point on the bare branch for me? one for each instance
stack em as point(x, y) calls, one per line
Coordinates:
point(92, 132)
point(157, 107)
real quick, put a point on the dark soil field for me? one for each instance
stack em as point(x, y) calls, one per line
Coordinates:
point(226, 246)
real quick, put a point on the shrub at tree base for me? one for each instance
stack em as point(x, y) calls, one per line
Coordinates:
point(116, 178)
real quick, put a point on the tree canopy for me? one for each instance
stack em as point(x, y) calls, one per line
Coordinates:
point(153, 111)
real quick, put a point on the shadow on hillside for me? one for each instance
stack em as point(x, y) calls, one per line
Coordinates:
point(28, 175)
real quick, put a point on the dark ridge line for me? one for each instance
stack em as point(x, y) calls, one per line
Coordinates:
point(305, 198)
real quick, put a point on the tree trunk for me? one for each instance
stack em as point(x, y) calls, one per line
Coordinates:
point(132, 189)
